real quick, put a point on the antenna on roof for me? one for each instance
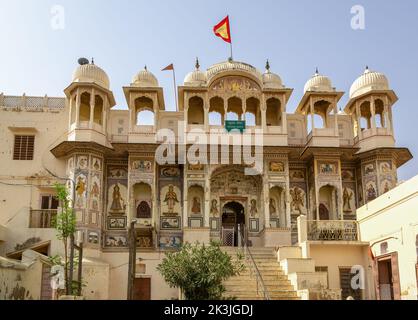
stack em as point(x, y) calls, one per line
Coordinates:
point(83, 61)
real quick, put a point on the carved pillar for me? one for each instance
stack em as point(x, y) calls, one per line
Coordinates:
point(244, 109)
point(336, 133)
point(185, 204)
point(92, 105)
point(373, 114)
point(70, 112)
point(77, 108)
point(207, 201)
point(105, 116)
point(266, 200)
point(311, 111)
point(284, 115)
point(263, 114)
point(358, 114)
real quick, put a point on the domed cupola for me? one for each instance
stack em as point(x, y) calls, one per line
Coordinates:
point(144, 78)
point(271, 80)
point(368, 81)
point(196, 78)
point(90, 73)
point(319, 83)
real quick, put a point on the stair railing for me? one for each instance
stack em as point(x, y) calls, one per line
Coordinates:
point(254, 269)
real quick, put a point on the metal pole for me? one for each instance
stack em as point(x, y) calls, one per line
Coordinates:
point(175, 89)
point(70, 276)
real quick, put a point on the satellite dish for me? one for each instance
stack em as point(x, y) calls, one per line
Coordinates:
point(83, 61)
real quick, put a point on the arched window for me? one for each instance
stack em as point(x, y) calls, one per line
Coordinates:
point(249, 119)
point(195, 112)
point(73, 110)
point(85, 107)
point(365, 115)
point(215, 118)
point(216, 110)
point(144, 112)
point(143, 210)
point(253, 107)
point(234, 110)
point(319, 121)
point(98, 110)
point(379, 114)
point(273, 112)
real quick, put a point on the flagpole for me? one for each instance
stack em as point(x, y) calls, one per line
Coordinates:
point(232, 57)
point(175, 89)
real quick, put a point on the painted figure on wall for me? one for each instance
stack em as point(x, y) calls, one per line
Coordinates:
point(371, 192)
point(272, 207)
point(347, 196)
point(253, 208)
point(214, 208)
point(276, 167)
point(297, 203)
point(117, 200)
point(171, 199)
point(80, 190)
point(196, 208)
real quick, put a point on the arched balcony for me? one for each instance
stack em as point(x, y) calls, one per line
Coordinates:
point(144, 115)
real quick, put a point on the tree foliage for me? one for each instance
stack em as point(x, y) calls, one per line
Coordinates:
point(65, 224)
point(199, 270)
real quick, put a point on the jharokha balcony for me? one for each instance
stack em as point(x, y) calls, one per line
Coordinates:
point(327, 230)
point(42, 219)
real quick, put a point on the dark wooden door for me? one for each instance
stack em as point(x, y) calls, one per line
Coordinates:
point(396, 283)
point(323, 212)
point(142, 289)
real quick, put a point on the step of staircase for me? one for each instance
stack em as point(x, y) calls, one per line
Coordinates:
point(244, 286)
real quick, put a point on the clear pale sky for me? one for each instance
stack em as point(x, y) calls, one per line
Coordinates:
point(296, 36)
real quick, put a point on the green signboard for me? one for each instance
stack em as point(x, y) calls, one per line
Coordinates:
point(234, 125)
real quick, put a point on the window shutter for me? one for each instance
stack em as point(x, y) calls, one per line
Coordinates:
point(395, 277)
point(23, 147)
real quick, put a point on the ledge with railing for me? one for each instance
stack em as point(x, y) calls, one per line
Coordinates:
point(336, 230)
point(42, 219)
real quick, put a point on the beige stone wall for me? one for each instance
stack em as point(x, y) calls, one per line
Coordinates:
point(335, 256)
point(393, 218)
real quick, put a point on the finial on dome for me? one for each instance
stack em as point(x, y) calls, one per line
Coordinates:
point(268, 65)
point(367, 70)
point(145, 68)
point(92, 60)
point(197, 65)
point(316, 71)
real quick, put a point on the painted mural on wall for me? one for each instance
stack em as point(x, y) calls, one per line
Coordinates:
point(196, 206)
point(170, 172)
point(277, 167)
point(328, 167)
point(170, 204)
point(117, 195)
point(81, 191)
point(142, 165)
point(297, 175)
point(298, 201)
point(214, 208)
point(95, 192)
point(172, 241)
point(349, 203)
point(371, 192)
point(234, 84)
point(116, 241)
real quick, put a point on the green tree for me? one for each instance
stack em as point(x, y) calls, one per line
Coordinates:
point(65, 224)
point(199, 270)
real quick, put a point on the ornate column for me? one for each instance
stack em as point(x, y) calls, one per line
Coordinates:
point(77, 108)
point(358, 120)
point(263, 114)
point(336, 118)
point(311, 110)
point(70, 112)
point(388, 117)
point(266, 197)
point(373, 114)
point(185, 204)
point(104, 121)
point(207, 201)
point(244, 109)
point(92, 105)
point(283, 113)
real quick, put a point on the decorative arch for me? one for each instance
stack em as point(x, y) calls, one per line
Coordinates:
point(253, 108)
point(98, 110)
point(85, 99)
point(195, 111)
point(216, 111)
point(144, 111)
point(273, 112)
point(142, 194)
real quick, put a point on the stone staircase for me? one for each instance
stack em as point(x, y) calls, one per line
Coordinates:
point(244, 286)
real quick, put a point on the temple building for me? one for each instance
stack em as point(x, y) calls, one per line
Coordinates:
point(319, 164)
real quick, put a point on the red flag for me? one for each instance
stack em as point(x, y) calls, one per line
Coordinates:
point(169, 67)
point(222, 30)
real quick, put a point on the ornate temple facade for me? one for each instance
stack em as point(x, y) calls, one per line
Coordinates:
point(319, 164)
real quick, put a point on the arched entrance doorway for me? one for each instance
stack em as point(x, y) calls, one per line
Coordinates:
point(233, 220)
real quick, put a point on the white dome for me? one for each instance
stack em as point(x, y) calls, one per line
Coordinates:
point(144, 78)
point(195, 78)
point(369, 80)
point(231, 65)
point(91, 73)
point(272, 80)
point(319, 83)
